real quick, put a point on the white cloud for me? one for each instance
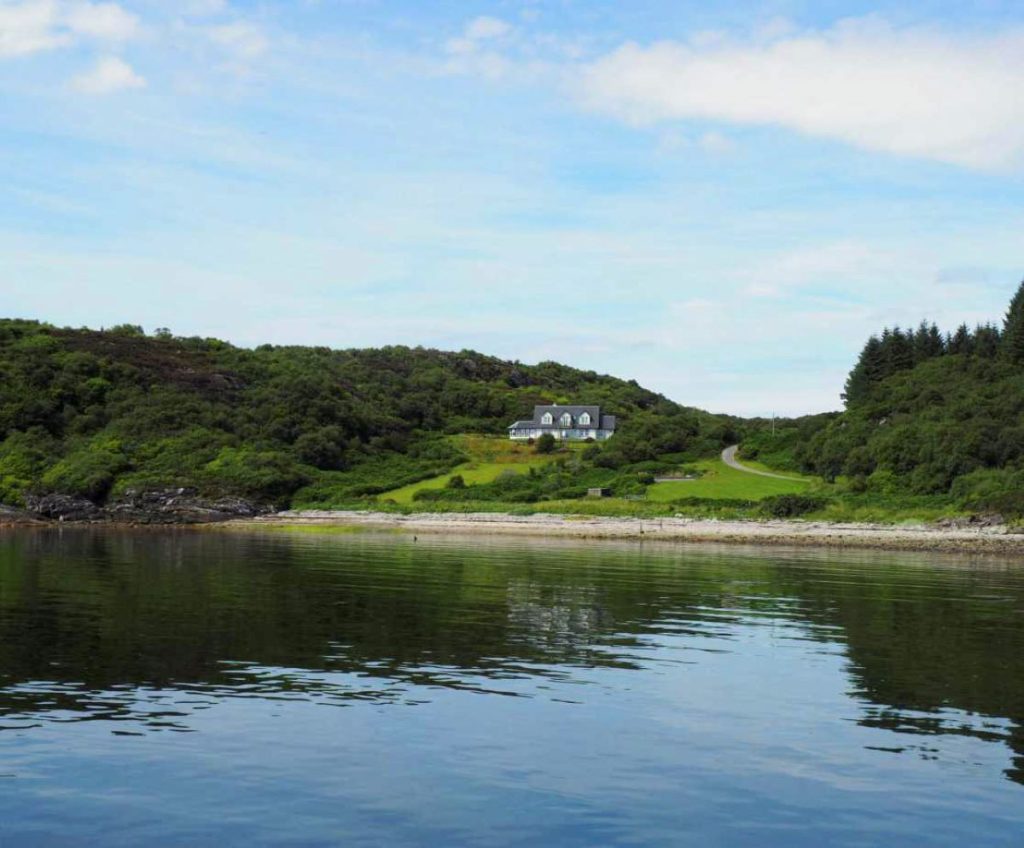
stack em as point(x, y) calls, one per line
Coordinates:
point(102, 21)
point(834, 265)
point(476, 32)
point(918, 92)
point(30, 27)
point(482, 28)
point(33, 26)
point(246, 41)
point(110, 74)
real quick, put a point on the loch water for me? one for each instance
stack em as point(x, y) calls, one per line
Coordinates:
point(192, 688)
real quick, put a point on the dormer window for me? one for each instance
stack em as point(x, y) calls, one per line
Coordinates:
point(585, 419)
point(547, 419)
point(566, 420)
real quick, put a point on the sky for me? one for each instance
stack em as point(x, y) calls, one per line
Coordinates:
point(721, 201)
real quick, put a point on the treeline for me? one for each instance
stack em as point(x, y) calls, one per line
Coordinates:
point(897, 350)
point(96, 413)
point(928, 413)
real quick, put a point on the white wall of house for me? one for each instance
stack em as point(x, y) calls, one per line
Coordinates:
point(560, 434)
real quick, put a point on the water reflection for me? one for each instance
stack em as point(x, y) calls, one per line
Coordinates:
point(150, 631)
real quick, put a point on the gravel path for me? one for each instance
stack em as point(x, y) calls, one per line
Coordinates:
point(729, 458)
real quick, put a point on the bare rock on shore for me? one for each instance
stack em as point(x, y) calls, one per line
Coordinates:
point(992, 520)
point(13, 515)
point(143, 506)
point(178, 506)
point(63, 507)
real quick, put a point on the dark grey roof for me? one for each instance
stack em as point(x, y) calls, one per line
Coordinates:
point(574, 411)
point(602, 422)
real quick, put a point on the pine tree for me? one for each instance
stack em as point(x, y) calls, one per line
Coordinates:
point(898, 350)
point(1013, 328)
point(870, 369)
point(961, 341)
point(928, 342)
point(987, 340)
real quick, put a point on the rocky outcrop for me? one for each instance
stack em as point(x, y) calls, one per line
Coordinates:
point(13, 515)
point(144, 506)
point(63, 507)
point(178, 506)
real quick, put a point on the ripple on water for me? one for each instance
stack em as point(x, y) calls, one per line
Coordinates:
point(198, 688)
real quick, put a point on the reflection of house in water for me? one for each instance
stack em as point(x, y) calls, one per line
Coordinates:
point(556, 618)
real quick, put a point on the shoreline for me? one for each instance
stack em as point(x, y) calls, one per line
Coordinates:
point(972, 539)
point(975, 539)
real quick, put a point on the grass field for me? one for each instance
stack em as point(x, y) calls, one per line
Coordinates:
point(721, 481)
point(490, 456)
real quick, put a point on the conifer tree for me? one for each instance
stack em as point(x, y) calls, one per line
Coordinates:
point(987, 341)
point(870, 369)
point(928, 342)
point(961, 341)
point(1013, 328)
point(898, 350)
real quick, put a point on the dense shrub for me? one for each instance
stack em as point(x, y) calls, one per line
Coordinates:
point(254, 473)
point(89, 471)
point(992, 490)
point(790, 506)
point(545, 444)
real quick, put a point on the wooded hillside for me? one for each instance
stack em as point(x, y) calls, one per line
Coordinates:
point(95, 414)
point(928, 413)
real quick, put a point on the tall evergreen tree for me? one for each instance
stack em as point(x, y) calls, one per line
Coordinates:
point(898, 350)
point(928, 342)
point(870, 369)
point(1013, 328)
point(961, 341)
point(987, 340)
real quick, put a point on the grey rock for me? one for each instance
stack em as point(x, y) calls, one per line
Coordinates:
point(144, 506)
point(961, 523)
point(63, 507)
point(178, 506)
point(12, 513)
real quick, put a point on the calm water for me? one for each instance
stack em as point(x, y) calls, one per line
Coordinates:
point(196, 688)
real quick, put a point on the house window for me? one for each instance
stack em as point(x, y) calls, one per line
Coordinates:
point(585, 419)
point(547, 419)
point(567, 420)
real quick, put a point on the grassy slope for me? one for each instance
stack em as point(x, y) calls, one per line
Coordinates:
point(493, 455)
point(721, 481)
point(490, 456)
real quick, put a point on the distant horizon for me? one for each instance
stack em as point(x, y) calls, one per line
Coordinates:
point(714, 201)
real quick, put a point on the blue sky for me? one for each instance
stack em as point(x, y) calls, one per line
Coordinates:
point(719, 200)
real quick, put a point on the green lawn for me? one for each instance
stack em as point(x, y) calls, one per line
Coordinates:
point(490, 456)
point(721, 481)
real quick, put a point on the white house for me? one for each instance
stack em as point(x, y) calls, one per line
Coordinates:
point(565, 422)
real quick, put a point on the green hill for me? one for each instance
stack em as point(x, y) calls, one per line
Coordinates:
point(927, 415)
point(98, 414)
